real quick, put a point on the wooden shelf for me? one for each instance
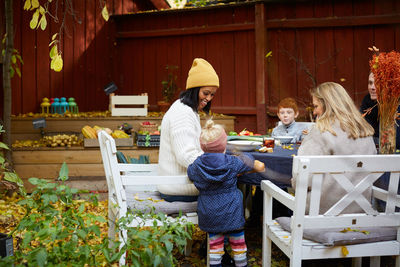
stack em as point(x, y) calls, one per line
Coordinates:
point(22, 128)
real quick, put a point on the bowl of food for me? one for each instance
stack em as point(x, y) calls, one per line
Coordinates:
point(243, 145)
point(284, 139)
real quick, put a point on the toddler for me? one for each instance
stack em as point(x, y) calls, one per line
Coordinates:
point(220, 202)
point(287, 113)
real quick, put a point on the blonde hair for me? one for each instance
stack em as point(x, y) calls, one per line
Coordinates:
point(338, 105)
point(211, 131)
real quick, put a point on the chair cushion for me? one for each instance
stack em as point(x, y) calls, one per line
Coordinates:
point(334, 236)
point(144, 200)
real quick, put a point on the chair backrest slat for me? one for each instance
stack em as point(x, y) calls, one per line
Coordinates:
point(393, 188)
point(312, 171)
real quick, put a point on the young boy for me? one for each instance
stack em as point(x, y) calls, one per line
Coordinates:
point(287, 113)
point(220, 202)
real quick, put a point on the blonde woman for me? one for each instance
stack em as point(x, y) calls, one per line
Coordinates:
point(340, 129)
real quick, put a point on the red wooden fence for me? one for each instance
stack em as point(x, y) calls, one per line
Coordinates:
point(311, 42)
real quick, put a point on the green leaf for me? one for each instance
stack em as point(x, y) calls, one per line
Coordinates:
point(81, 208)
point(168, 245)
point(41, 257)
point(20, 59)
point(82, 234)
point(18, 71)
point(13, 59)
point(63, 174)
point(12, 72)
point(43, 233)
point(4, 146)
point(27, 239)
point(13, 177)
point(157, 260)
point(34, 181)
point(53, 52)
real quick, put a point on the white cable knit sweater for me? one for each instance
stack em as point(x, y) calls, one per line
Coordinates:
point(179, 145)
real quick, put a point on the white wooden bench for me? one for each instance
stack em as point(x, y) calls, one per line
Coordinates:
point(123, 179)
point(310, 172)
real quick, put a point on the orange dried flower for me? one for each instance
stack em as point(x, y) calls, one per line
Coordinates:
point(386, 70)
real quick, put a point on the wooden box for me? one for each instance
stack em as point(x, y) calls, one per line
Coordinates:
point(118, 142)
point(126, 105)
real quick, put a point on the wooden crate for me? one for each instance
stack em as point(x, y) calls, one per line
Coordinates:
point(119, 142)
point(137, 105)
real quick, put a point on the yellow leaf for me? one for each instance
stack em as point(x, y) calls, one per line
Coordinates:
point(35, 3)
point(34, 20)
point(57, 63)
point(104, 13)
point(345, 251)
point(43, 23)
point(27, 5)
point(269, 54)
point(54, 36)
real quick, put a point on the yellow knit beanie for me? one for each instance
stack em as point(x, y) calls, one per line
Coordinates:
point(201, 74)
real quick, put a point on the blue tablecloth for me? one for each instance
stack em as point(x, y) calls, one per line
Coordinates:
point(278, 167)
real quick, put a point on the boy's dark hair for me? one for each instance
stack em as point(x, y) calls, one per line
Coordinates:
point(288, 102)
point(190, 97)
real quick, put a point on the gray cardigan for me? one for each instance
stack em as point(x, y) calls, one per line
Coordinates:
point(317, 143)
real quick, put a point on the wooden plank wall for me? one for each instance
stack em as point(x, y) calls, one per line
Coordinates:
point(86, 45)
point(324, 41)
point(146, 43)
point(311, 42)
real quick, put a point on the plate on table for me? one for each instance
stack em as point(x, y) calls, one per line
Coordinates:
point(246, 137)
point(243, 145)
point(284, 139)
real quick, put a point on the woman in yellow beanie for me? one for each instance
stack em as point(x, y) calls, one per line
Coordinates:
point(180, 129)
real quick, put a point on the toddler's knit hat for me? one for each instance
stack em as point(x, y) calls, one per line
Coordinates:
point(201, 74)
point(213, 138)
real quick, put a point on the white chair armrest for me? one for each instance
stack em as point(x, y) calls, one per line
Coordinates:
point(277, 193)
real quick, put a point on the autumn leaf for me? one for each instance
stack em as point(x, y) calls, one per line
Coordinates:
point(34, 21)
point(43, 23)
point(345, 252)
point(27, 5)
point(104, 13)
point(35, 3)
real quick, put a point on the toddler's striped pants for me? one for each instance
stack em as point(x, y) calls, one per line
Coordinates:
point(238, 245)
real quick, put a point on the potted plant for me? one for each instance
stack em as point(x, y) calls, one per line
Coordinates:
point(169, 87)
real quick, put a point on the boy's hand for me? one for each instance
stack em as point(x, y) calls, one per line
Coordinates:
point(305, 131)
point(259, 166)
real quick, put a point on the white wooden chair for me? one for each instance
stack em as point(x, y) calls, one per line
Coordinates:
point(310, 171)
point(123, 178)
